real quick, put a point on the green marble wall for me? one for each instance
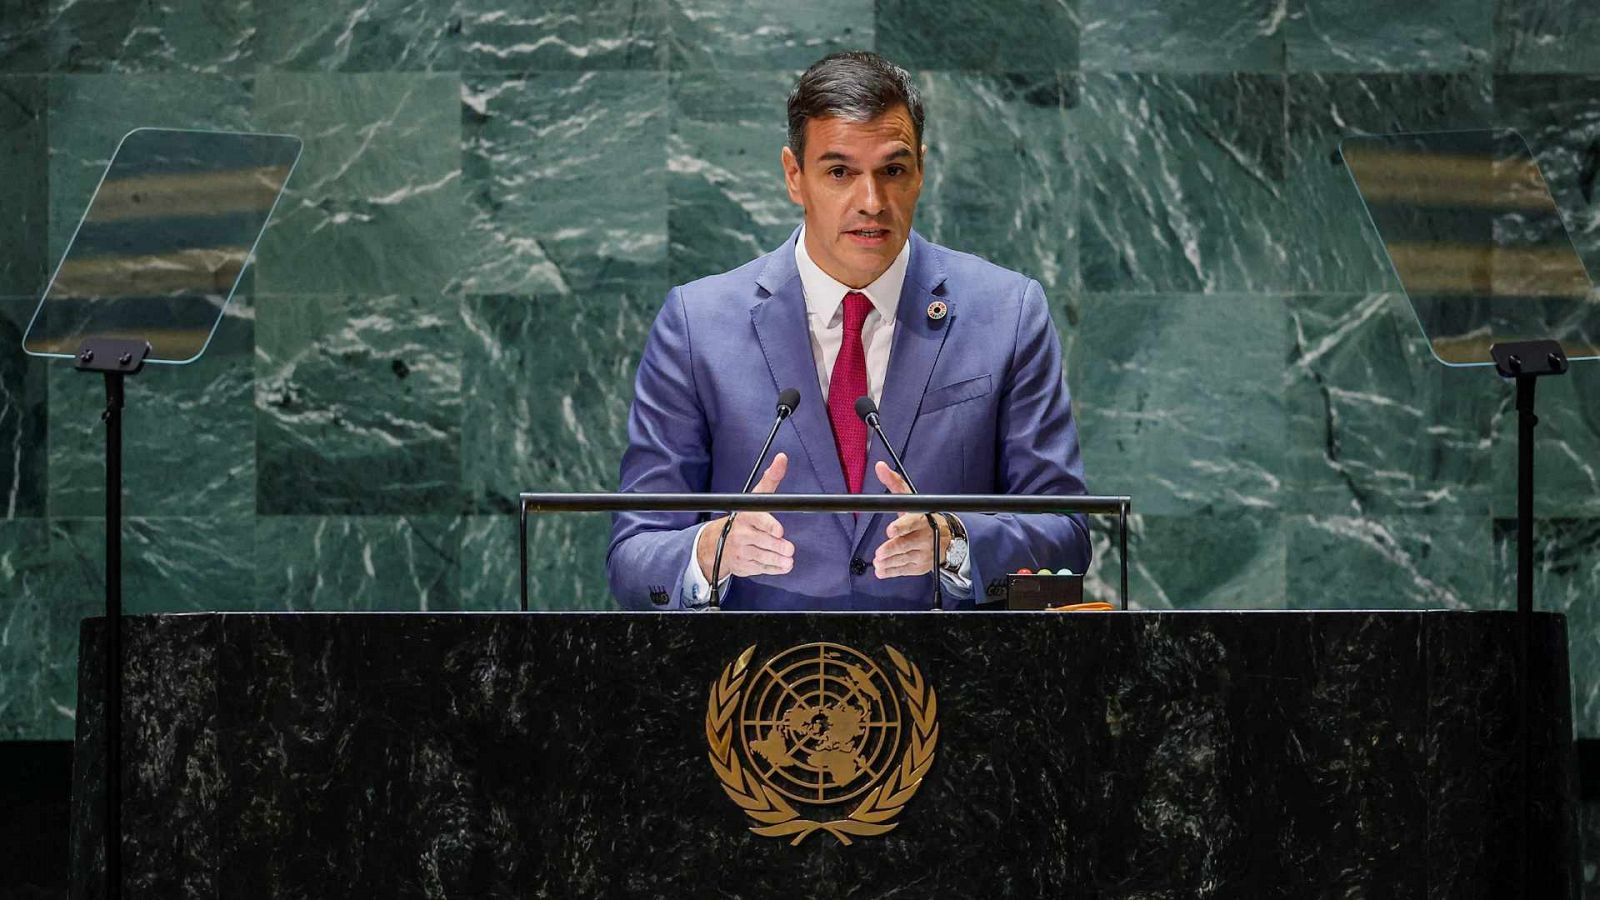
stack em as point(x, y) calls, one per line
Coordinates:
point(495, 196)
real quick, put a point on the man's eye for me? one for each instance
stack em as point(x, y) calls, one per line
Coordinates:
point(896, 171)
point(837, 172)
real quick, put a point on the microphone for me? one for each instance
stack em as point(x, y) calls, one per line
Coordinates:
point(867, 411)
point(788, 402)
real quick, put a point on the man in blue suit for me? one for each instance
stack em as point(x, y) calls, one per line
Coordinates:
point(959, 354)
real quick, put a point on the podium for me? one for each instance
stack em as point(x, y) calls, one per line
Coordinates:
point(1124, 754)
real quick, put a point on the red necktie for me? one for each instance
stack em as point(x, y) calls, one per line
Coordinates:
point(849, 381)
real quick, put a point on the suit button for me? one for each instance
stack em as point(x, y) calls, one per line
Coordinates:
point(858, 566)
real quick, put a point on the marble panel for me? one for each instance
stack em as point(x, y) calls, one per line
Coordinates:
point(375, 203)
point(1376, 424)
point(1566, 445)
point(188, 432)
point(726, 199)
point(1546, 36)
point(1329, 239)
point(358, 35)
point(24, 392)
point(318, 563)
point(566, 562)
point(766, 34)
point(564, 35)
point(24, 147)
point(548, 385)
point(1390, 562)
point(197, 36)
point(470, 35)
point(1001, 171)
point(1183, 183)
point(358, 405)
point(173, 564)
point(1381, 36)
point(24, 35)
point(998, 36)
point(1229, 560)
point(565, 176)
point(40, 627)
point(1183, 36)
point(1180, 400)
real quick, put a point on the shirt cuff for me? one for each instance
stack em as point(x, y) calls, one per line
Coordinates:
point(696, 589)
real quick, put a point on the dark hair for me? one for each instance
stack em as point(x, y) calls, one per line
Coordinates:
point(855, 85)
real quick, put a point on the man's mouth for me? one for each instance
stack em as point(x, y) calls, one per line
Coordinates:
point(869, 236)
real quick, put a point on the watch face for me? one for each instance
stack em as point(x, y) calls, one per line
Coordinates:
point(955, 554)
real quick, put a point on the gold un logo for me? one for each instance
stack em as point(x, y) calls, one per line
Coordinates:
point(821, 726)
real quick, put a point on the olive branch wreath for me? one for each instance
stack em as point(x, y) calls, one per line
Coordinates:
point(876, 812)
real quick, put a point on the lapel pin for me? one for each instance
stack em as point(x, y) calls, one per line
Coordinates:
point(937, 310)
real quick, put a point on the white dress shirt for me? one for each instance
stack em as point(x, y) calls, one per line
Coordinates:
point(825, 320)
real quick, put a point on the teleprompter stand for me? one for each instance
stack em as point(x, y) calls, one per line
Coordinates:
point(1474, 235)
point(116, 359)
point(1526, 362)
point(149, 271)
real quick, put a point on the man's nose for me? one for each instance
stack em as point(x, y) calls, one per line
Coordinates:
point(871, 199)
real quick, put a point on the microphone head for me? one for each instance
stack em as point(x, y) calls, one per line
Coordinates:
point(788, 401)
point(865, 408)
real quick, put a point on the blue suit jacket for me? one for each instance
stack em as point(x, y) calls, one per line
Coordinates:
point(974, 404)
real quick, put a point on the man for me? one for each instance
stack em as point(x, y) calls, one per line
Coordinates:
point(960, 356)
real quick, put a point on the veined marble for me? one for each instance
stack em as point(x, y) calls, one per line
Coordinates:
point(494, 199)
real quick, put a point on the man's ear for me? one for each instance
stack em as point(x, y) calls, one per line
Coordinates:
point(791, 175)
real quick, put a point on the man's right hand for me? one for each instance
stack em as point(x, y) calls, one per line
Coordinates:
point(755, 544)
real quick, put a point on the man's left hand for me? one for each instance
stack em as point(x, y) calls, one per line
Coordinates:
point(909, 548)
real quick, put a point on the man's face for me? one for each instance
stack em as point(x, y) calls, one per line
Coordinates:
point(859, 189)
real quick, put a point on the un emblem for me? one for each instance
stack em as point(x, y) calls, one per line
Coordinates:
point(821, 725)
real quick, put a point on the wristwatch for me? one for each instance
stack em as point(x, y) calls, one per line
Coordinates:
point(956, 553)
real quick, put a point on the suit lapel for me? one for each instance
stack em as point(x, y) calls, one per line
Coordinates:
point(784, 334)
point(912, 356)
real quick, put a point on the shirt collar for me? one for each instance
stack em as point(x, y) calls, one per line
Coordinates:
point(824, 295)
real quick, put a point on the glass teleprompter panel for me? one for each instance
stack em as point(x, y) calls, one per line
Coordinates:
point(1476, 240)
point(164, 241)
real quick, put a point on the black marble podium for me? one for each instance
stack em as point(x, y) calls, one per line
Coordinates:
point(1107, 755)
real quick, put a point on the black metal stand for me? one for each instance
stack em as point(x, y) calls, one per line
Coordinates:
point(117, 359)
point(1526, 362)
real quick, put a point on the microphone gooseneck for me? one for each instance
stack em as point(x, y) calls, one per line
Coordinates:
point(868, 413)
point(788, 402)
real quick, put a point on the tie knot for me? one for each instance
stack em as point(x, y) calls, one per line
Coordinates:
point(856, 307)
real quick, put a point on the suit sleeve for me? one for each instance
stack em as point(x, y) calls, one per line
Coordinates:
point(668, 452)
point(1037, 454)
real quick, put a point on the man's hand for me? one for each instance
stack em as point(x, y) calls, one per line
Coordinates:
point(909, 549)
point(755, 544)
